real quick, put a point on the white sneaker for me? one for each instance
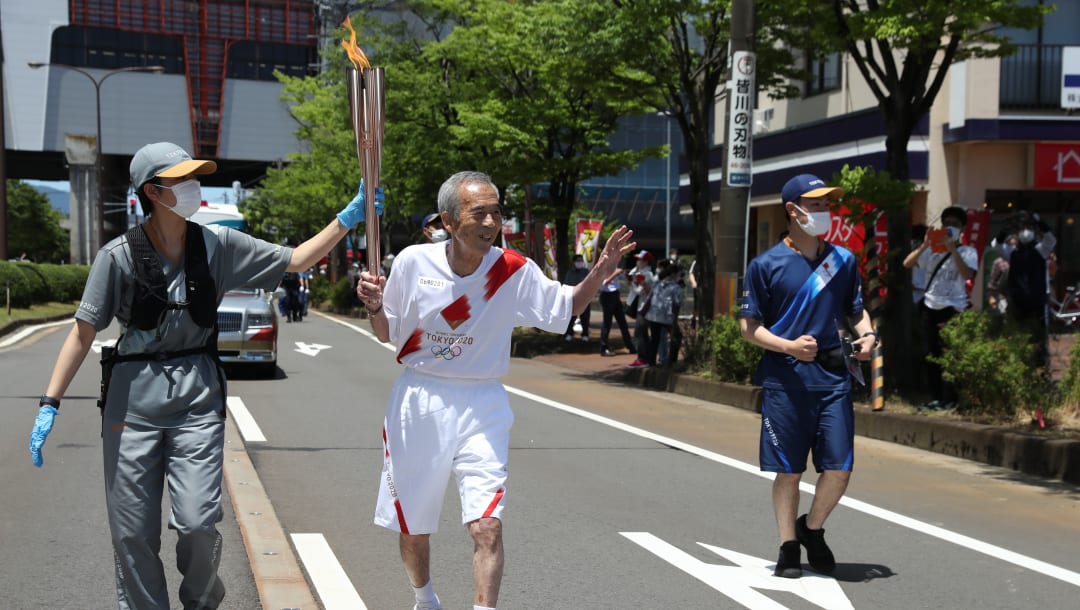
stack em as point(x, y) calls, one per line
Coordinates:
point(428, 606)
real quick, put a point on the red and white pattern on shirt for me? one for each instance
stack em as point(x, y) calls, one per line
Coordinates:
point(458, 312)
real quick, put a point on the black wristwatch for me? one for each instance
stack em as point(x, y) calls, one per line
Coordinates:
point(50, 401)
point(871, 332)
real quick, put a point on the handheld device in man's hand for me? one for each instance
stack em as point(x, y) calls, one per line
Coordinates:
point(850, 348)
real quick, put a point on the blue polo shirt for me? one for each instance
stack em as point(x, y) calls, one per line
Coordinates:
point(792, 296)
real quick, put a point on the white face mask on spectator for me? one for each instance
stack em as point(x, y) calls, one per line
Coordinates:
point(1026, 236)
point(817, 223)
point(439, 235)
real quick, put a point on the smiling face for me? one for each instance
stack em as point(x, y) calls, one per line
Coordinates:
point(479, 218)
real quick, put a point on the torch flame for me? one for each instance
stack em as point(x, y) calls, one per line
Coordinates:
point(356, 56)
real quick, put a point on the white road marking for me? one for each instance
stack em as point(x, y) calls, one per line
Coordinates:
point(26, 331)
point(979, 546)
point(332, 585)
point(366, 333)
point(996, 552)
point(245, 421)
point(749, 573)
point(310, 349)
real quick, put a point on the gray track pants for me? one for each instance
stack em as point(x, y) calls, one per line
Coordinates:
point(138, 462)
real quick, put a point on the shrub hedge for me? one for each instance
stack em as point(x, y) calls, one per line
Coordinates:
point(32, 283)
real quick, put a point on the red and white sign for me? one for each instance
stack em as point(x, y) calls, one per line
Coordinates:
point(588, 239)
point(1057, 166)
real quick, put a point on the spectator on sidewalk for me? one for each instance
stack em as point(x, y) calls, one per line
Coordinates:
point(642, 280)
point(795, 296)
point(433, 229)
point(946, 295)
point(1029, 281)
point(997, 288)
point(663, 313)
point(574, 276)
point(612, 305)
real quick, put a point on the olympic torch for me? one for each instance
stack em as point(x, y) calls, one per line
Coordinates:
point(367, 101)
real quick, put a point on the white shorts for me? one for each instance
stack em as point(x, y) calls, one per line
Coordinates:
point(435, 426)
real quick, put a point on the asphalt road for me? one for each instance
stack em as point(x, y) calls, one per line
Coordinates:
point(618, 498)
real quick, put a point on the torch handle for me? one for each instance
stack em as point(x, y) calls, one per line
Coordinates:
point(371, 162)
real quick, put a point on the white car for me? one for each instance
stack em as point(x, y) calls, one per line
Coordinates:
point(248, 330)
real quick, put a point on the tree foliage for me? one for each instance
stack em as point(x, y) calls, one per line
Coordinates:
point(903, 50)
point(529, 92)
point(34, 226)
point(688, 48)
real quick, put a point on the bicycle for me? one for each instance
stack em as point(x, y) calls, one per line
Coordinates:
point(1066, 310)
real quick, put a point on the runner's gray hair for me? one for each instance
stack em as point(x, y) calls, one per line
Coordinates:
point(450, 191)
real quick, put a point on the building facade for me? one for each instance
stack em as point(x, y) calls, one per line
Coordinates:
point(996, 138)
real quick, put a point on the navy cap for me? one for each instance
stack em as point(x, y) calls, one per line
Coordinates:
point(808, 185)
point(432, 217)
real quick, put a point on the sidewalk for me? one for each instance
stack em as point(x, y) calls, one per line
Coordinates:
point(1056, 459)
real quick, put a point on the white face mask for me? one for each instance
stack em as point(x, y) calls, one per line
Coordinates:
point(439, 235)
point(1026, 236)
point(579, 265)
point(817, 223)
point(1007, 250)
point(188, 197)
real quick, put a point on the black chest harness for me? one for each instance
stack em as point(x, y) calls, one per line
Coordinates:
point(150, 301)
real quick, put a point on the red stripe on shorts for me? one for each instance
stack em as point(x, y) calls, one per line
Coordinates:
point(401, 517)
point(494, 503)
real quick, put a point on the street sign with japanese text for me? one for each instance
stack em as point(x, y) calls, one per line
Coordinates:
point(739, 144)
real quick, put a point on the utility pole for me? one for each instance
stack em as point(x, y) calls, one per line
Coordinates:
point(732, 220)
point(3, 169)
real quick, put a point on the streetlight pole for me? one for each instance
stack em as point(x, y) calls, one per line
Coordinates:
point(667, 191)
point(99, 203)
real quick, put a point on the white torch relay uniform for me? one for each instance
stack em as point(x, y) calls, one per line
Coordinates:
point(448, 412)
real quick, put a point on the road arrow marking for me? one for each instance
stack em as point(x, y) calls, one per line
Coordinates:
point(739, 581)
point(310, 349)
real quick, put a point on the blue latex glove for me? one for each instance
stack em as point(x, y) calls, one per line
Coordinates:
point(353, 214)
point(42, 427)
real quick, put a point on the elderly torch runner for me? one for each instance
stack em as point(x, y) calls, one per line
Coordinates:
point(367, 101)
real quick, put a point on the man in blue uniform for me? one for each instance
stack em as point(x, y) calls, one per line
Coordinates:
point(796, 299)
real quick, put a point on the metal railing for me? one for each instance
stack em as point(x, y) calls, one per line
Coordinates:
point(1031, 78)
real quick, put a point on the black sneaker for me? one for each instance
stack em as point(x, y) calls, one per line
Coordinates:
point(789, 564)
point(817, 552)
point(606, 352)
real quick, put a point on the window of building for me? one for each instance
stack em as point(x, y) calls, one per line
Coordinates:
point(110, 49)
point(258, 60)
point(824, 75)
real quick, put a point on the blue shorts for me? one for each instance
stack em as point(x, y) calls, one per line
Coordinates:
point(799, 422)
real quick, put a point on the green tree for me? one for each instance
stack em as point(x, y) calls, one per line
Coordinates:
point(34, 226)
point(539, 88)
point(529, 92)
point(903, 49)
point(688, 58)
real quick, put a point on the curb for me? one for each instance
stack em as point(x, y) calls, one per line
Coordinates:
point(1057, 459)
point(15, 325)
point(278, 576)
